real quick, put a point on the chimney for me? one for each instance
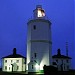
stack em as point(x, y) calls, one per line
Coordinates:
point(14, 51)
point(58, 52)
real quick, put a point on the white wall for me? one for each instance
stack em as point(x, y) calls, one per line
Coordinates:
point(39, 41)
point(15, 63)
point(65, 64)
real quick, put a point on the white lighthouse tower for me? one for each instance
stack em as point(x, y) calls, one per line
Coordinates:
point(39, 43)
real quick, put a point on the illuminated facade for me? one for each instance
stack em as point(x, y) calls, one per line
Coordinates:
point(14, 62)
point(39, 43)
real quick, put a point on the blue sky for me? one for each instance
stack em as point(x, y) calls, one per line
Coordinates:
point(14, 15)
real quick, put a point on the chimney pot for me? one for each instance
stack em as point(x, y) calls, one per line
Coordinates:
point(58, 52)
point(14, 51)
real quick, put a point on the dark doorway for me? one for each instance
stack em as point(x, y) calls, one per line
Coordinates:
point(12, 67)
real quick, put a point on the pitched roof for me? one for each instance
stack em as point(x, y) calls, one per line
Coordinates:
point(61, 56)
point(14, 56)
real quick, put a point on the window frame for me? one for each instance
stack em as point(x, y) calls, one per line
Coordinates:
point(5, 67)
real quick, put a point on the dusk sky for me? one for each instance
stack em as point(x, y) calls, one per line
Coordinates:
point(14, 15)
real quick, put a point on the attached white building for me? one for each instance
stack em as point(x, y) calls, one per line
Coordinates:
point(62, 62)
point(39, 43)
point(14, 62)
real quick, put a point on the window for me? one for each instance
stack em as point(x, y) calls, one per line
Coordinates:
point(32, 66)
point(67, 67)
point(5, 67)
point(34, 27)
point(57, 61)
point(17, 61)
point(62, 61)
point(11, 61)
point(35, 55)
point(5, 61)
point(17, 67)
point(67, 61)
point(35, 61)
point(64, 66)
point(9, 68)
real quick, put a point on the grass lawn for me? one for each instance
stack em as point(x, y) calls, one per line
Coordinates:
point(12, 73)
point(48, 73)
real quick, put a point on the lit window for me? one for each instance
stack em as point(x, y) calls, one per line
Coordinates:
point(41, 13)
point(5, 61)
point(17, 61)
point(5, 67)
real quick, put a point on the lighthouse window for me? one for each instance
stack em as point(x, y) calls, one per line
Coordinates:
point(35, 55)
point(34, 27)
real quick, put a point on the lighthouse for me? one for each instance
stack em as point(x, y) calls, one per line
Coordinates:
point(39, 43)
